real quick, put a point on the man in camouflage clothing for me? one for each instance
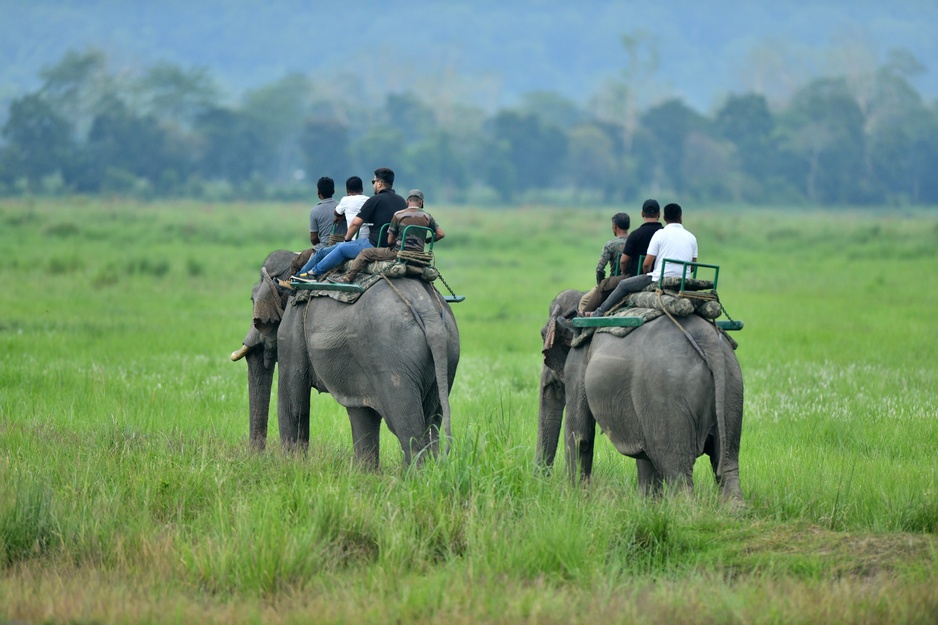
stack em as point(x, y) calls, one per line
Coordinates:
point(413, 215)
point(611, 254)
point(612, 250)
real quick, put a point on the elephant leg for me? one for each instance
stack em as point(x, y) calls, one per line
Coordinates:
point(366, 430)
point(729, 481)
point(580, 428)
point(650, 481)
point(293, 409)
point(580, 436)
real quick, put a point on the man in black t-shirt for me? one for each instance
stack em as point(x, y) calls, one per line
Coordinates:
point(377, 210)
point(636, 245)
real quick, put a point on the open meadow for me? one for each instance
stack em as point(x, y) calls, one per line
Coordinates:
point(128, 492)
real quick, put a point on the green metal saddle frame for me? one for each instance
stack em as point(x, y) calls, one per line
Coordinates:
point(354, 288)
point(730, 325)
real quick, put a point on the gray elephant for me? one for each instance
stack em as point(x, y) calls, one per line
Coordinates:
point(660, 397)
point(391, 355)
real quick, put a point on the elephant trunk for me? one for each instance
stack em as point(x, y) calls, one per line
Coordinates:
point(260, 381)
point(550, 418)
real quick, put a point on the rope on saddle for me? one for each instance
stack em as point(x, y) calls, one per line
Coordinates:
point(690, 339)
point(424, 259)
point(406, 301)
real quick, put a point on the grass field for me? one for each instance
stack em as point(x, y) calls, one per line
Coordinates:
point(128, 494)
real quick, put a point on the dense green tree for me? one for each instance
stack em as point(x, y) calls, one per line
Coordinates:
point(897, 119)
point(119, 140)
point(592, 164)
point(324, 145)
point(409, 116)
point(76, 85)
point(925, 149)
point(670, 123)
point(553, 108)
point(172, 93)
point(229, 146)
point(536, 151)
point(824, 143)
point(437, 167)
point(746, 121)
point(379, 146)
point(38, 141)
point(279, 111)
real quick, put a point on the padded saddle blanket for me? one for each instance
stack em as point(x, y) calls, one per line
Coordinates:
point(372, 273)
point(653, 302)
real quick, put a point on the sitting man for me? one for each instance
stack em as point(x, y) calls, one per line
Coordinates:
point(636, 245)
point(672, 242)
point(377, 210)
point(413, 215)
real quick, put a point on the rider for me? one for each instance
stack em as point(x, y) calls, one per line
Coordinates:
point(413, 215)
point(672, 242)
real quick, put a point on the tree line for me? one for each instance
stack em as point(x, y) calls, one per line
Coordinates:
point(168, 131)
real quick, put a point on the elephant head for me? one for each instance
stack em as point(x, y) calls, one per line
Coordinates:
point(556, 346)
point(260, 344)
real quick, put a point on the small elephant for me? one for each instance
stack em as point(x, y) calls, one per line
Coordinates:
point(391, 355)
point(664, 394)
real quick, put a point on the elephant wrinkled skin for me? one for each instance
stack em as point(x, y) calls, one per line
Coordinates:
point(656, 398)
point(391, 355)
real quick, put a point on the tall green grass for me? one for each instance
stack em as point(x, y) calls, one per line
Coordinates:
point(128, 493)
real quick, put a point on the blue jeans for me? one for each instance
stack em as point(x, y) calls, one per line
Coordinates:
point(338, 255)
point(315, 258)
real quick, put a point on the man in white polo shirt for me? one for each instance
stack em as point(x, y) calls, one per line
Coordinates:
point(672, 242)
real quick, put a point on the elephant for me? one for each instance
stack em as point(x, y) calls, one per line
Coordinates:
point(661, 395)
point(391, 355)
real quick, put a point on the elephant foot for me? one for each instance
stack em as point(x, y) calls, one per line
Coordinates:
point(240, 353)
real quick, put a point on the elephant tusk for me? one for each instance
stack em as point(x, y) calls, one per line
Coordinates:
point(240, 353)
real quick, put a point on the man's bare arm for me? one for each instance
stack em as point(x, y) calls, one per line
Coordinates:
point(648, 263)
point(353, 227)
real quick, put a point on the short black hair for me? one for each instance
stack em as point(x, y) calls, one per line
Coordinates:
point(650, 208)
point(325, 186)
point(622, 221)
point(672, 212)
point(354, 185)
point(385, 175)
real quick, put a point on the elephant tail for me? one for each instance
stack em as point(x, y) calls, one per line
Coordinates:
point(437, 339)
point(716, 360)
point(435, 329)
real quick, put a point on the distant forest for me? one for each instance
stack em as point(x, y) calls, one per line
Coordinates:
point(168, 131)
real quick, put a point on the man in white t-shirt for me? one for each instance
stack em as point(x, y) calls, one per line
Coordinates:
point(351, 204)
point(672, 242)
point(346, 210)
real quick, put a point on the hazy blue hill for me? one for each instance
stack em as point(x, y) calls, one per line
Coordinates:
point(498, 48)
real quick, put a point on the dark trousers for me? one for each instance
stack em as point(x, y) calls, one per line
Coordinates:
point(629, 285)
point(598, 294)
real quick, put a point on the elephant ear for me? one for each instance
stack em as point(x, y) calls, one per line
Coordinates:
point(268, 305)
point(556, 338)
point(555, 345)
